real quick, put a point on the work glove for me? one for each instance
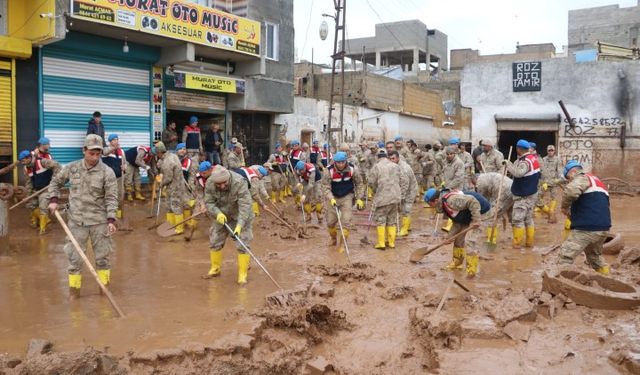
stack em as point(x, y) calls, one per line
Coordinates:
point(567, 223)
point(442, 185)
point(238, 229)
point(333, 202)
point(159, 178)
point(299, 187)
point(359, 204)
point(191, 203)
point(303, 198)
point(545, 186)
point(221, 218)
point(504, 162)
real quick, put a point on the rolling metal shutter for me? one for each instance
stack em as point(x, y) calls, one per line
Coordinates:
point(6, 112)
point(75, 84)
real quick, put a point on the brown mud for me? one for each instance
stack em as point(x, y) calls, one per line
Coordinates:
point(377, 315)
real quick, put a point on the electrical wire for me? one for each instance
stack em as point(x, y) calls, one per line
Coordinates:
point(384, 24)
point(306, 34)
point(30, 17)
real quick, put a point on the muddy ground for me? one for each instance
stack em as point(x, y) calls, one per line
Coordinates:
point(376, 316)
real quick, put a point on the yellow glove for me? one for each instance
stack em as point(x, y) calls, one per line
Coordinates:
point(545, 186)
point(191, 203)
point(303, 198)
point(442, 185)
point(237, 230)
point(299, 187)
point(359, 204)
point(221, 218)
point(159, 178)
point(333, 202)
point(567, 223)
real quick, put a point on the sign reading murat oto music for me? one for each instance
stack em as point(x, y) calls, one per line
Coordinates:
point(206, 82)
point(175, 19)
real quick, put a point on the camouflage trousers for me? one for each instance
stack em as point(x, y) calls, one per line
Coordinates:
point(218, 235)
point(278, 181)
point(41, 202)
point(386, 215)
point(100, 243)
point(545, 197)
point(461, 240)
point(345, 205)
point(523, 210)
point(176, 199)
point(405, 206)
point(132, 177)
point(581, 240)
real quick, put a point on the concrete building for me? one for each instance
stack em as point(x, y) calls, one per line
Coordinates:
point(225, 61)
point(609, 24)
point(406, 43)
point(461, 57)
point(600, 96)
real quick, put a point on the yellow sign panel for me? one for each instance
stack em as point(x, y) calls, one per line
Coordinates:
point(206, 82)
point(175, 19)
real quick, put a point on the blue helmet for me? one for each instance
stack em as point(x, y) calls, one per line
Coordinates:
point(112, 137)
point(569, 166)
point(43, 141)
point(533, 145)
point(380, 144)
point(262, 170)
point(340, 156)
point(181, 146)
point(326, 145)
point(523, 144)
point(204, 166)
point(454, 141)
point(300, 165)
point(430, 195)
point(397, 138)
point(193, 119)
point(295, 142)
point(24, 154)
point(315, 142)
point(278, 145)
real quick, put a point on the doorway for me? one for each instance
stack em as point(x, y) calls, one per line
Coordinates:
point(253, 131)
point(204, 121)
point(509, 138)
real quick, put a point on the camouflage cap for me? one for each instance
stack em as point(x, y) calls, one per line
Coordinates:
point(93, 142)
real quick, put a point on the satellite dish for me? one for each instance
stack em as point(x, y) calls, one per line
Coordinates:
point(324, 30)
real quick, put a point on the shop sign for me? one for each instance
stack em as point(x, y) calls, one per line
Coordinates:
point(190, 100)
point(175, 19)
point(527, 76)
point(206, 82)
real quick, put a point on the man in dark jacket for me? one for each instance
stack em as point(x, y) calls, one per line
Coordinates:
point(212, 143)
point(96, 126)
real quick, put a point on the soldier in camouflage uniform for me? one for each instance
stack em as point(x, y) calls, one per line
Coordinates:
point(93, 200)
point(309, 189)
point(490, 159)
point(453, 175)
point(467, 160)
point(387, 184)
point(428, 163)
point(228, 199)
point(254, 176)
point(408, 194)
point(415, 162)
point(526, 174)
point(189, 165)
point(401, 148)
point(550, 183)
point(279, 168)
point(234, 157)
point(488, 185)
point(439, 156)
point(585, 201)
point(173, 179)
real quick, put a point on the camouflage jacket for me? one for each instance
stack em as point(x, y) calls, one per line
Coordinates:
point(234, 161)
point(551, 170)
point(492, 160)
point(410, 185)
point(453, 173)
point(235, 202)
point(385, 180)
point(171, 170)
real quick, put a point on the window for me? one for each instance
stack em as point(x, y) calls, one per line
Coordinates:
point(271, 41)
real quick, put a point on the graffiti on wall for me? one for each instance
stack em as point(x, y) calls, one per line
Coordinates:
point(577, 142)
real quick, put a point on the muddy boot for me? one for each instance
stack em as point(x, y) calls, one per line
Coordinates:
point(472, 265)
point(118, 213)
point(552, 212)
point(243, 268)
point(44, 222)
point(530, 234)
point(307, 211)
point(104, 276)
point(281, 196)
point(35, 218)
point(342, 241)
point(216, 264)
point(130, 194)
point(273, 196)
point(333, 234)
point(178, 218)
point(492, 236)
point(139, 196)
point(456, 259)
point(406, 223)
point(518, 237)
point(604, 270)
point(567, 228)
point(381, 230)
point(75, 282)
point(319, 217)
point(391, 236)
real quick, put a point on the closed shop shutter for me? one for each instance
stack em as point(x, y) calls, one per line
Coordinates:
point(6, 105)
point(75, 84)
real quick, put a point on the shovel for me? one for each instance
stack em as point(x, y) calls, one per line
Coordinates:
point(153, 199)
point(492, 229)
point(421, 252)
point(29, 197)
point(344, 239)
point(124, 220)
point(365, 240)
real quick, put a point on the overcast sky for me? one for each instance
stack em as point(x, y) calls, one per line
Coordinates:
point(491, 26)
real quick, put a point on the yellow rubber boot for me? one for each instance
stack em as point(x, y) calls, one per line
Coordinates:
point(552, 212)
point(492, 239)
point(457, 259)
point(531, 232)
point(518, 237)
point(243, 268)
point(255, 208)
point(171, 218)
point(129, 194)
point(216, 263)
point(281, 199)
point(139, 196)
point(44, 222)
point(545, 209)
point(319, 208)
point(369, 192)
point(35, 217)
point(472, 265)
point(381, 229)
point(192, 222)
point(391, 236)
point(406, 223)
point(307, 210)
point(536, 211)
point(333, 235)
point(603, 270)
point(346, 237)
point(273, 196)
point(447, 226)
point(163, 192)
point(178, 218)
point(75, 282)
point(567, 228)
point(118, 213)
point(297, 199)
point(288, 191)
point(104, 276)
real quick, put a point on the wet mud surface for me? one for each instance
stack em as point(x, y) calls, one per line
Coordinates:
point(379, 315)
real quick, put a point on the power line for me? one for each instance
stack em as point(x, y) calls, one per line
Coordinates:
point(29, 18)
point(306, 34)
point(385, 25)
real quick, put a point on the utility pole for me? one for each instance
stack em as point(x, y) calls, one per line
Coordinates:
point(340, 19)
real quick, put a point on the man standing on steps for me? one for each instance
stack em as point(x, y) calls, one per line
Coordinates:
point(526, 174)
point(466, 210)
point(228, 199)
point(137, 157)
point(339, 184)
point(551, 179)
point(113, 157)
point(409, 187)
point(93, 201)
point(192, 138)
point(385, 182)
point(586, 202)
point(95, 126)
